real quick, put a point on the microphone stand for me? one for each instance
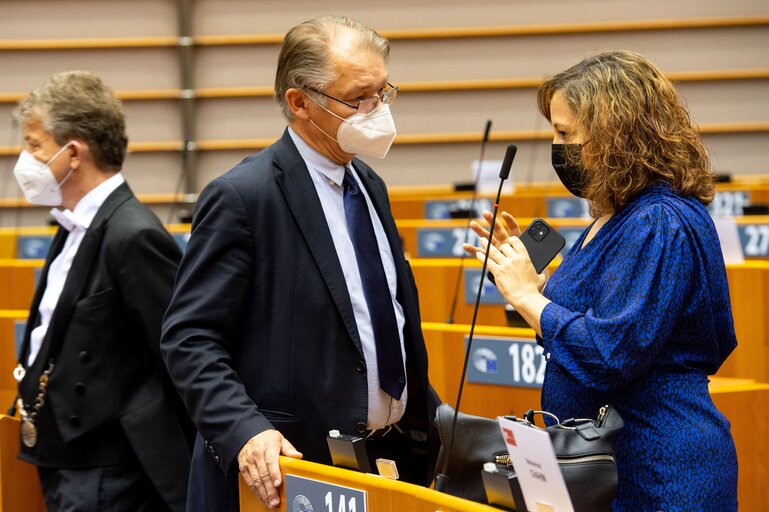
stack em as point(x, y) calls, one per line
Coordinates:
point(441, 478)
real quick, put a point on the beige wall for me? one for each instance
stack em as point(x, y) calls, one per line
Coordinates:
point(711, 102)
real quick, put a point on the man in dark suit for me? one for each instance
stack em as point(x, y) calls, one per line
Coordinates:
point(100, 418)
point(294, 311)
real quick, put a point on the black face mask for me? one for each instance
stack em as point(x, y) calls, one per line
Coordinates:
point(569, 169)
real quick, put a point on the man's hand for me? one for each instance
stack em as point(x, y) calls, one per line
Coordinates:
point(258, 463)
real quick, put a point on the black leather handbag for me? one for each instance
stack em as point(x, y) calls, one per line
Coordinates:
point(584, 449)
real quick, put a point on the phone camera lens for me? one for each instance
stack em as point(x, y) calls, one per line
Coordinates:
point(538, 231)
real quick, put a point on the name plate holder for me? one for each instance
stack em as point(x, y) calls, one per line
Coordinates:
point(348, 452)
point(533, 457)
point(308, 494)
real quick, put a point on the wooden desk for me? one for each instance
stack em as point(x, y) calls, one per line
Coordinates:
point(17, 282)
point(382, 495)
point(443, 238)
point(530, 200)
point(8, 319)
point(446, 352)
point(748, 289)
point(746, 404)
point(436, 278)
point(9, 238)
point(19, 484)
point(743, 401)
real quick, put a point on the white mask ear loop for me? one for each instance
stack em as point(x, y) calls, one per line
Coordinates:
point(59, 152)
point(54, 157)
point(321, 130)
point(58, 185)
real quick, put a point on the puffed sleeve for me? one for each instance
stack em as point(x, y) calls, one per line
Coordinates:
point(637, 301)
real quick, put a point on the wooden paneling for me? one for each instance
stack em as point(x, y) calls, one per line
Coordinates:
point(530, 200)
point(17, 282)
point(8, 362)
point(743, 401)
point(19, 484)
point(748, 289)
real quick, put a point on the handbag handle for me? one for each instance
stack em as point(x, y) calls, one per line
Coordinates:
point(529, 417)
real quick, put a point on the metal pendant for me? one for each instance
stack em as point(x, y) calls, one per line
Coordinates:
point(28, 433)
point(18, 373)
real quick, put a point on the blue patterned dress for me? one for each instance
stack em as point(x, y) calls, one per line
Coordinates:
point(640, 317)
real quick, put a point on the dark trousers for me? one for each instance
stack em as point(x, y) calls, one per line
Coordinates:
point(123, 488)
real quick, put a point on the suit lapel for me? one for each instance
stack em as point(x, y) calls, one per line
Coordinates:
point(299, 191)
point(79, 272)
point(73, 287)
point(32, 320)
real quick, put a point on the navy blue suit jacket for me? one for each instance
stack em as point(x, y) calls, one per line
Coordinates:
point(260, 332)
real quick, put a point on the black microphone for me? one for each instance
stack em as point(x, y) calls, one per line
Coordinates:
point(484, 141)
point(470, 215)
point(486, 132)
point(441, 478)
point(507, 164)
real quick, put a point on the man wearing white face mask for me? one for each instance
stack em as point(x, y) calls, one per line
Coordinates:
point(37, 181)
point(100, 418)
point(294, 310)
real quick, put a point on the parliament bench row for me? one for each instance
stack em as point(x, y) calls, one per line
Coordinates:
point(437, 278)
point(538, 199)
point(552, 200)
point(422, 238)
point(503, 380)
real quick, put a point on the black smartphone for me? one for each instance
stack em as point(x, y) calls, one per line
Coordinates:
point(542, 242)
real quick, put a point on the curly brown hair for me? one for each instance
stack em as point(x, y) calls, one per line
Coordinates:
point(639, 130)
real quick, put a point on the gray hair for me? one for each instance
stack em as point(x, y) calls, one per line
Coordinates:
point(78, 105)
point(304, 57)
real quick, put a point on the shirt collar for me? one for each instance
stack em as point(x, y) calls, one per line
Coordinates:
point(85, 209)
point(333, 171)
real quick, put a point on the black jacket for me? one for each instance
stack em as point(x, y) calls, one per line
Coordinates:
point(260, 332)
point(109, 397)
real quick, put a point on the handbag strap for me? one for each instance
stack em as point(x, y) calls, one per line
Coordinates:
point(588, 429)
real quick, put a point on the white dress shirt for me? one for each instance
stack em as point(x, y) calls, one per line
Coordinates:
point(76, 222)
point(327, 177)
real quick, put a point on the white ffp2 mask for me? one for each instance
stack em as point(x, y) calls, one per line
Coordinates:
point(369, 134)
point(37, 181)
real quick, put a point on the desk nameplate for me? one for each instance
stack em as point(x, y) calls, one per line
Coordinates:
point(308, 495)
point(512, 362)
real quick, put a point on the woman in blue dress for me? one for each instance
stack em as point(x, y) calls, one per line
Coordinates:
point(637, 315)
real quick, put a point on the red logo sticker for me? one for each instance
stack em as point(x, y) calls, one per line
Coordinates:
point(509, 437)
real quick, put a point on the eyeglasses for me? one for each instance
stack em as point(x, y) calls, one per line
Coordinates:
point(369, 104)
